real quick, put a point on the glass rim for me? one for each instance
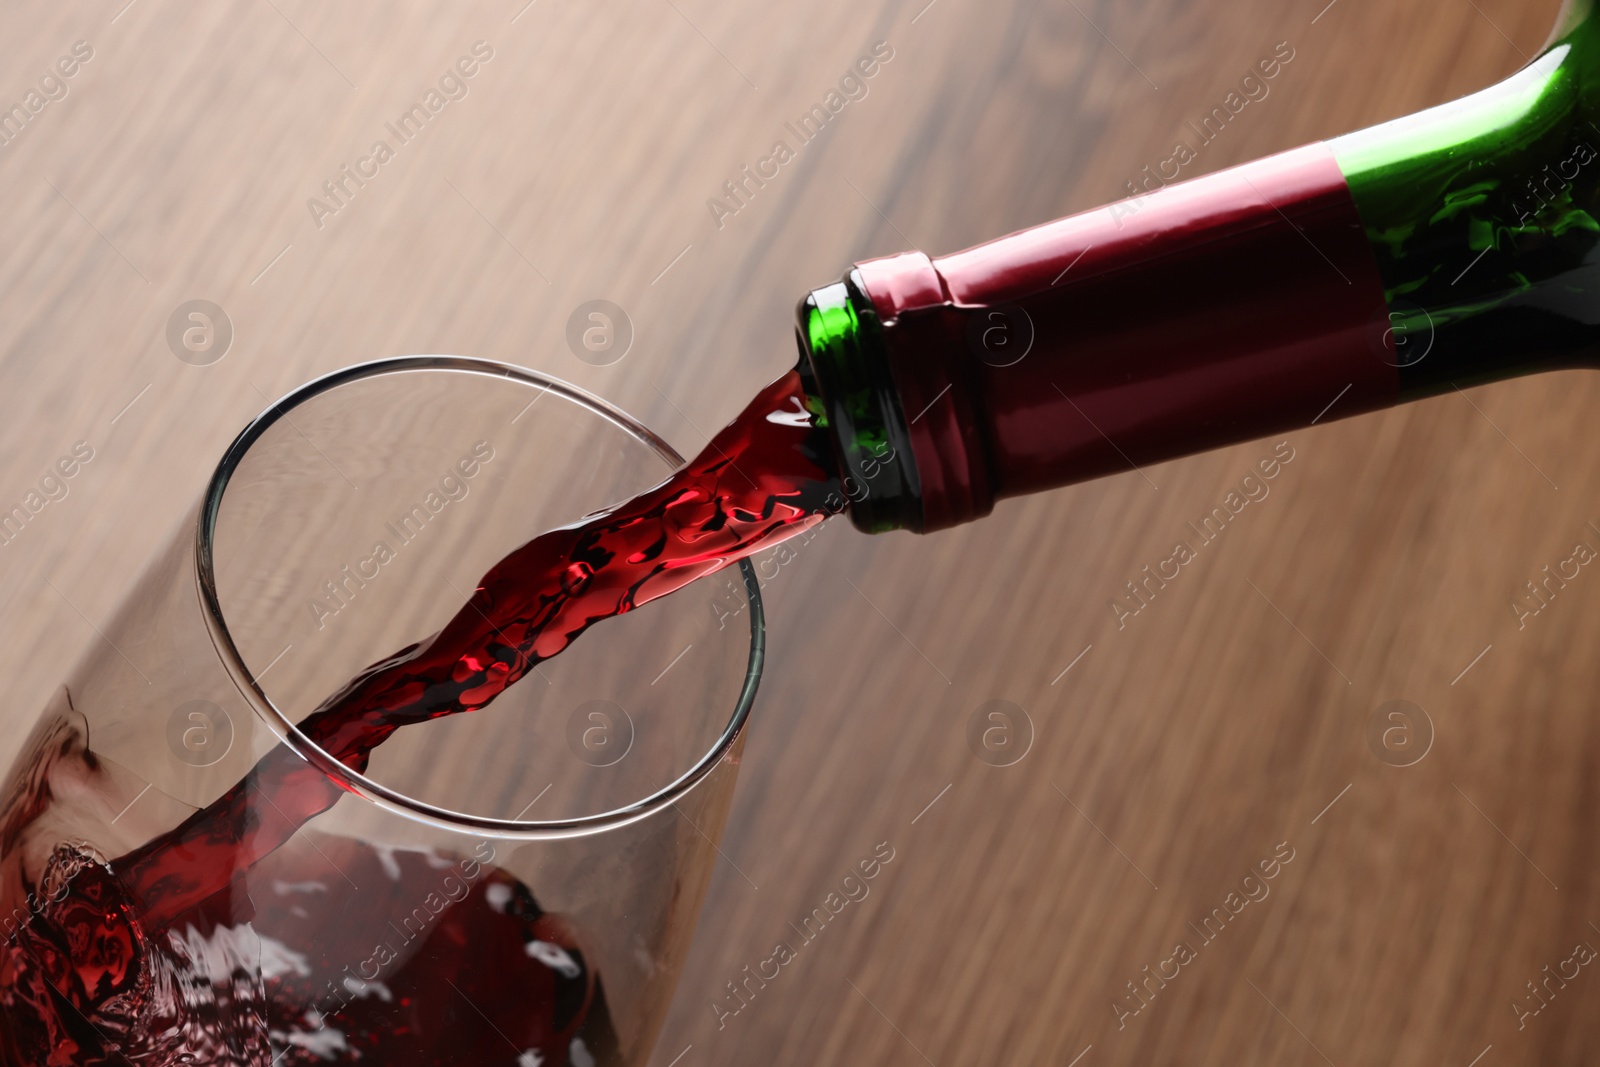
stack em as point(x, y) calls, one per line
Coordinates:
point(377, 793)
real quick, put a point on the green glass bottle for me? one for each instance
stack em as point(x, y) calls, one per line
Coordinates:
point(1444, 249)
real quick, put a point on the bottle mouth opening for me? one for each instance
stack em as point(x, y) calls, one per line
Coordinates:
point(842, 358)
point(393, 800)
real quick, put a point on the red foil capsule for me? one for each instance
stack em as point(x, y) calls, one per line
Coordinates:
point(1234, 306)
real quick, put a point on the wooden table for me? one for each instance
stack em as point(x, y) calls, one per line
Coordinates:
point(1225, 725)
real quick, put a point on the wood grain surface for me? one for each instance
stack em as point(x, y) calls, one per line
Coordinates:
point(1224, 725)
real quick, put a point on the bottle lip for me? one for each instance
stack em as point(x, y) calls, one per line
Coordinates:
point(844, 362)
point(361, 785)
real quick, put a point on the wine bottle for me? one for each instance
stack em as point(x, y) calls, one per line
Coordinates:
point(1445, 249)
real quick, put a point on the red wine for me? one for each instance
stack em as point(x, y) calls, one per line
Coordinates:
point(436, 960)
point(97, 967)
point(759, 481)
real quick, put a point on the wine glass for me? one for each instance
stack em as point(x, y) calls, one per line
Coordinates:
point(513, 886)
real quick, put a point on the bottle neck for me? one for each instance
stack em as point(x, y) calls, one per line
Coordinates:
point(1441, 250)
